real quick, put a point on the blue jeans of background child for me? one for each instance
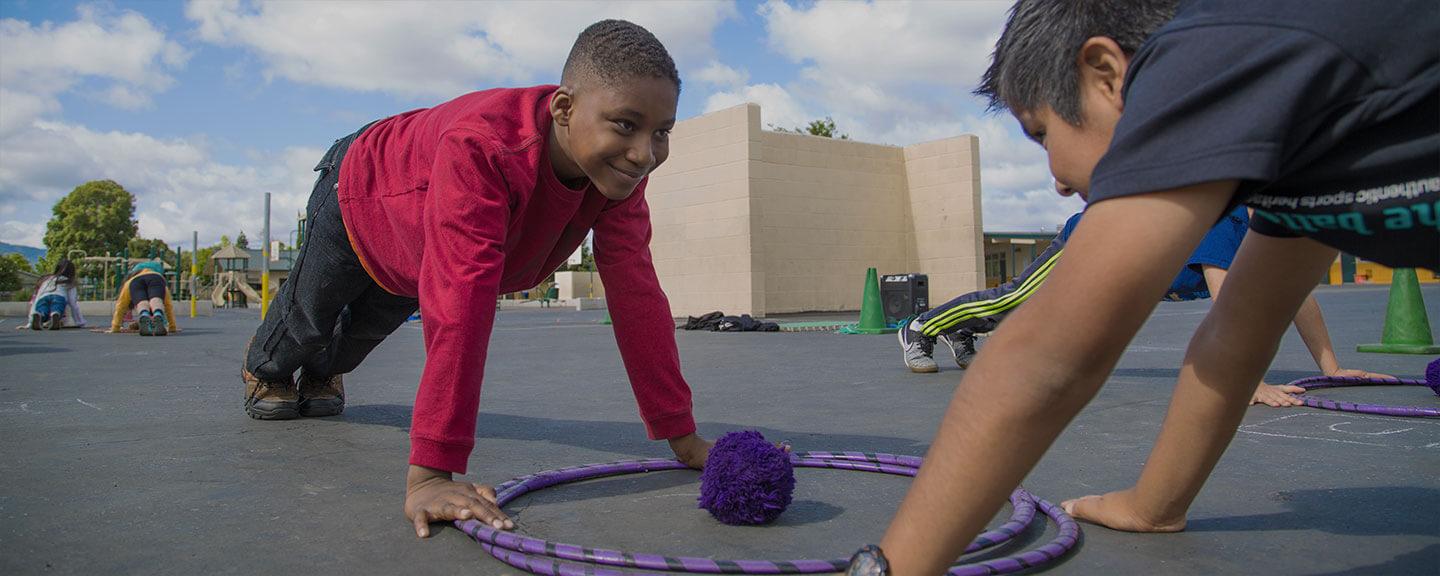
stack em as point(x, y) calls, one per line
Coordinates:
point(52, 304)
point(329, 314)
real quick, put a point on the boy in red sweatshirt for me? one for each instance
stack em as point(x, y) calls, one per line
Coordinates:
point(448, 207)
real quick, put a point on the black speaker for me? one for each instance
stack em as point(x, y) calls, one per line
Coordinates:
point(904, 295)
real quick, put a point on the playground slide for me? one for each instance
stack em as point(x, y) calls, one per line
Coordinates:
point(223, 285)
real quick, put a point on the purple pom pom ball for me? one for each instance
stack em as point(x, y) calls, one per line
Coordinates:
point(746, 480)
point(1432, 376)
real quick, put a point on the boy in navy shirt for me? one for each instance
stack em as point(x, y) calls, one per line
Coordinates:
point(1321, 115)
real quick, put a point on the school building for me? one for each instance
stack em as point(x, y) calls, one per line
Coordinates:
point(1007, 254)
point(1348, 269)
point(751, 221)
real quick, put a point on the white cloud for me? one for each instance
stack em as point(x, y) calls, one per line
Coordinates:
point(889, 43)
point(23, 233)
point(437, 49)
point(777, 106)
point(18, 108)
point(1029, 210)
point(901, 73)
point(178, 187)
point(721, 76)
point(121, 49)
point(124, 97)
point(895, 72)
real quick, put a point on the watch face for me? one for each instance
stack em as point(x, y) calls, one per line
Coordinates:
point(868, 562)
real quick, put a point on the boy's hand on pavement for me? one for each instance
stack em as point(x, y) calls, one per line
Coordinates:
point(431, 496)
point(691, 450)
point(1350, 373)
point(1277, 396)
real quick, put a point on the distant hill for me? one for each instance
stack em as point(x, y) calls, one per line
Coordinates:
point(31, 254)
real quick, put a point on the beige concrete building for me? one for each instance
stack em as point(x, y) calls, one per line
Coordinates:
point(749, 221)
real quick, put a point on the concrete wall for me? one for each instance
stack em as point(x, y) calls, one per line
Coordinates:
point(943, 180)
point(749, 221)
point(824, 211)
point(574, 285)
point(700, 208)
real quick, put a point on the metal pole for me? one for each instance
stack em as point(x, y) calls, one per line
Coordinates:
point(194, 269)
point(265, 263)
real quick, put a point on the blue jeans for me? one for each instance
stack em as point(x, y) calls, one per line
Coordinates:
point(52, 304)
point(329, 314)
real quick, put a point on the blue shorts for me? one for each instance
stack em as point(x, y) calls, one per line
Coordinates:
point(1217, 249)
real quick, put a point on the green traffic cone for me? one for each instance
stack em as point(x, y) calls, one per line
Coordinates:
point(872, 313)
point(1407, 327)
point(606, 321)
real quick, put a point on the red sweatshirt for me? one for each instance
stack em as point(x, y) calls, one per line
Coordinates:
point(457, 204)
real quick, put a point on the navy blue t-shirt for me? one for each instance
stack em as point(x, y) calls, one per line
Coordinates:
point(1327, 111)
point(1217, 249)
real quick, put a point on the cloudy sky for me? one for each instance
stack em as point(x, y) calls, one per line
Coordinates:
point(200, 108)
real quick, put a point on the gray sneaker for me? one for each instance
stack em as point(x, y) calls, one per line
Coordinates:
point(919, 349)
point(962, 345)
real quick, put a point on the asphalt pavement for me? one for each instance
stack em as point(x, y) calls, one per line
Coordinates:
point(122, 454)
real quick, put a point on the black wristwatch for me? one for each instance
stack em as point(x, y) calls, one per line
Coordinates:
point(868, 561)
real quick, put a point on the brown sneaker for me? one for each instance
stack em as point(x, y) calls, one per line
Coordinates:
point(321, 397)
point(270, 400)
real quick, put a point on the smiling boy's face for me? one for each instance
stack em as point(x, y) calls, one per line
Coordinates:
point(613, 136)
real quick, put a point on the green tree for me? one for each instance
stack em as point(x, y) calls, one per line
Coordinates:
point(96, 217)
point(824, 128)
point(147, 248)
point(11, 265)
point(587, 261)
point(202, 258)
point(241, 241)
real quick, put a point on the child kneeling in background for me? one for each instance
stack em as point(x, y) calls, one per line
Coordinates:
point(54, 294)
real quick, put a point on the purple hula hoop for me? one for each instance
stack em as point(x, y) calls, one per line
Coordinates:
point(1339, 381)
point(558, 559)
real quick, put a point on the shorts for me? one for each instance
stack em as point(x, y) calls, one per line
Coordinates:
point(146, 287)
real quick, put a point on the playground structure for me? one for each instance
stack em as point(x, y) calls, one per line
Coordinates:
point(231, 288)
point(231, 291)
point(113, 272)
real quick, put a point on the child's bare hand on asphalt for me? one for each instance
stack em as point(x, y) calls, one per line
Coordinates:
point(432, 496)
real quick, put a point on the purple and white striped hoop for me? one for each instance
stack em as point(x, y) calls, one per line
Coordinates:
point(1382, 410)
point(558, 559)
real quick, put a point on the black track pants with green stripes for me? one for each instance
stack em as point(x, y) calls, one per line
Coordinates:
point(982, 310)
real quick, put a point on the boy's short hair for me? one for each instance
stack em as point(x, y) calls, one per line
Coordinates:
point(611, 51)
point(1034, 63)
